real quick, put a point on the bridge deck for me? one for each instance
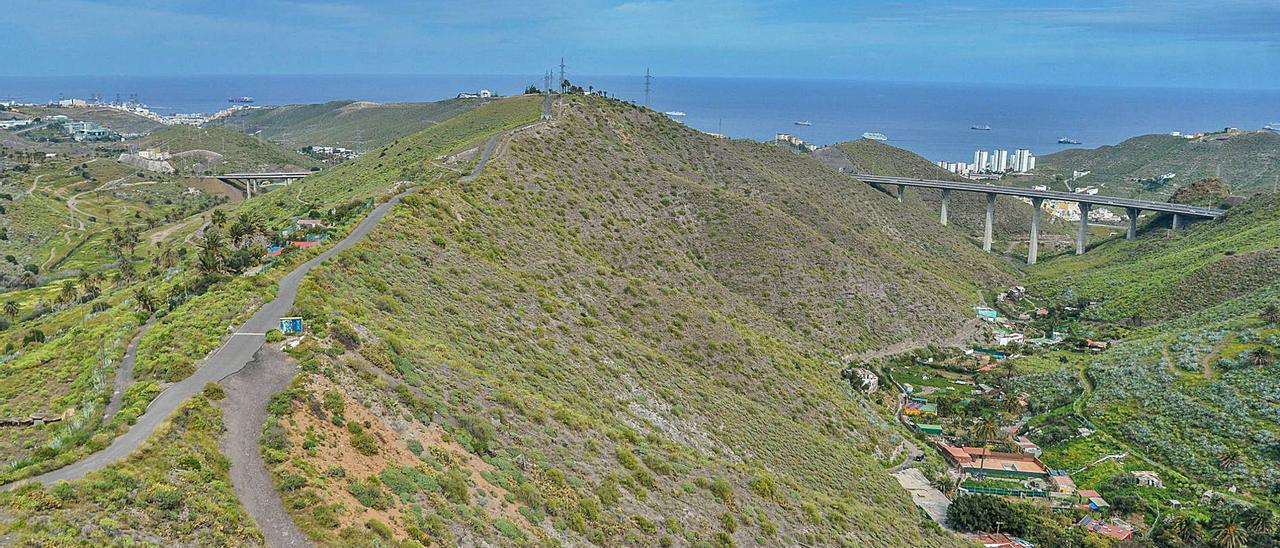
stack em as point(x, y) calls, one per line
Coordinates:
point(1145, 205)
point(265, 175)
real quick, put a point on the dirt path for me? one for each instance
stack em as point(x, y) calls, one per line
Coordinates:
point(970, 330)
point(244, 412)
point(124, 374)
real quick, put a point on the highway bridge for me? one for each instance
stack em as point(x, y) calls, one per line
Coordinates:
point(1132, 207)
point(249, 182)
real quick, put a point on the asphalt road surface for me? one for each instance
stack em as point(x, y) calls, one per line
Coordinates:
point(230, 358)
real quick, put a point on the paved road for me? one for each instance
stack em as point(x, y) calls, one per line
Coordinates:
point(228, 359)
point(245, 410)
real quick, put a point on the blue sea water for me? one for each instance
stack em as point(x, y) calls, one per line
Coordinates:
point(931, 119)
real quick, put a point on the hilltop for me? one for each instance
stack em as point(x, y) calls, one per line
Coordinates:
point(636, 327)
point(124, 123)
point(966, 211)
point(1249, 162)
point(342, 123)
point(193, 150)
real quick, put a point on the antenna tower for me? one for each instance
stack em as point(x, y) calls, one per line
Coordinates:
point(648, 86)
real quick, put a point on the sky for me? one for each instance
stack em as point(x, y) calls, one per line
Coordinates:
point(1152, 43)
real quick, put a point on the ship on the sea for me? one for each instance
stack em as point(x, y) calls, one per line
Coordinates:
point(240, 99)
point(1066, 141)
point(674, 113)
point(803, 123)
point(981, 128)
point(1273, 126)
point(874, 136)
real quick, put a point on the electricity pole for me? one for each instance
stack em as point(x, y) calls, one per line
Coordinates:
point(562, 80)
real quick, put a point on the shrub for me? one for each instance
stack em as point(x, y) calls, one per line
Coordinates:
point(345, 334)
point(379, 528)
point(481, 431)
point(454, 483)
point(369, 493)
point(214, 391)
point(275, 336)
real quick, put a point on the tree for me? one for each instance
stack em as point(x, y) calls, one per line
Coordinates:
point(11, 309)
point(1230, 533)
point(985, 513)
point(1186, 528)
point(1260, 357)
point(1257, 519)
point(146, 301)
point(987, 431)
point(213, 252)
point(1230, 458)
point(68, 293)
point(1271, 314)
point(89, 285)
point(218, 218)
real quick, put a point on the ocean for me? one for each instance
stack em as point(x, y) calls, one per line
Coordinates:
point(931, 119)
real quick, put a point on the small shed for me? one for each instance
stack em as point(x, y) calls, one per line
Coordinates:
point(291, 325)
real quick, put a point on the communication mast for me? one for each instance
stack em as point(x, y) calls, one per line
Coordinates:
point(648, 86)
point(562, 80)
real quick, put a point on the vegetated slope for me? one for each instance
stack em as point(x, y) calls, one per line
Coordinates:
point(232, 151)
point(1248, 162)
point(342, 123)
point(1167, 274)
point(633, 322)
point(112, 119)
point(1195, 388)
point(174, 491)
point(967, 210)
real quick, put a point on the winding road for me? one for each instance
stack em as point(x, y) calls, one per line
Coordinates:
point(226, 360)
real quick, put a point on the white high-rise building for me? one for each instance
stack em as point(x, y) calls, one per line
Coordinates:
point(1002, 160)
point(981, 162)
point(1031, 162)
point(977, 158)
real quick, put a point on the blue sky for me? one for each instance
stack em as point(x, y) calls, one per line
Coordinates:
point(1206, 43)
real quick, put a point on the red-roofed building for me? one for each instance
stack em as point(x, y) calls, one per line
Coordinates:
point(1115, 529)
point(1001, 540)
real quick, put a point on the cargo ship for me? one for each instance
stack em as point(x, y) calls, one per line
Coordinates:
point(874, 136)
point(1066, 141)
point(803, 123)
point(981, 128)
point(240, 99)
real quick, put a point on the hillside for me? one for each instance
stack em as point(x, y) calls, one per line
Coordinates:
point(221, 150)
point(966, 211)
point(1247, 162)
point(1193, 384)
point(118, 121)
point(342, 123)
point(630, 323)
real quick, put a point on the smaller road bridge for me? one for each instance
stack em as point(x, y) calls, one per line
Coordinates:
point(1132, 207)
point(248, 182)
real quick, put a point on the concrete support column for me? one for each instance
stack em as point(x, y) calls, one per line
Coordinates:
point(1177, 221)
point(1133, 223)
point(1033, 247)
point(946, 198)
point(902, 189)
point(991, 220)
point(1082, 235)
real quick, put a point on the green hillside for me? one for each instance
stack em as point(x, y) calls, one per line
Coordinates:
point(1248, 162)
point(1193, 384)
point(222, 150)
point(342, 123)
point(967, 210)
point(115, 120)
point(632, 322)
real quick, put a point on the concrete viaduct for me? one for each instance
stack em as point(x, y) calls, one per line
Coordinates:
point(248, 182)
point(1133, 207)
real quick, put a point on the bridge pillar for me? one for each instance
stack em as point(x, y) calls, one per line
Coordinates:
point(1082, 235)
point(1177, 221)
point(991, 219)
point(1133, 223)
point(1033, 247)
point(946, 198)
point(902, 189)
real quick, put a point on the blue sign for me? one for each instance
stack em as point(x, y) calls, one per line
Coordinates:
point(290, 325)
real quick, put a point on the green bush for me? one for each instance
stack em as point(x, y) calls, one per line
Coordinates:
point(455, 485)
point(214, 391)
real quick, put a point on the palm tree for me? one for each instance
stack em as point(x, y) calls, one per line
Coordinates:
point(986, 430)
point(1257, 519)
point(218, 218)
point(1271, 314)
point(1186, 527)
point(89, 284)
point(146, 301)
point(11, 309)
point(68, 292)
point(1260, 357)
point(1229, 533)
point(1230, 458)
